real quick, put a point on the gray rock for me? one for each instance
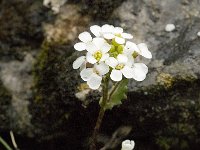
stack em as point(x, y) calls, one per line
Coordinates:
point(20, 37)
point(16, 78)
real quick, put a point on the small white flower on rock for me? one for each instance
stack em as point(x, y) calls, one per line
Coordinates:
point(116, 33)
point(135, 50)
point(97, 50)
point(96, 30)
point(121, 66)
point(108, 54)
point(93, 76)
point(110, 32)
point(170, 27)
point(128, 145)
point(85, 38)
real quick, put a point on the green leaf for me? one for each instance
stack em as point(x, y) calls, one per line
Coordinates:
point(117, 94)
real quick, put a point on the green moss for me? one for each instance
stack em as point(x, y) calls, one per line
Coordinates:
point(54, 104)
point(5, 104)
point(4, 93)
point(41, 62)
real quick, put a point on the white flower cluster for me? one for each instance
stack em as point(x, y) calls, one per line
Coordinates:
point(128, 145)
point(109, 53)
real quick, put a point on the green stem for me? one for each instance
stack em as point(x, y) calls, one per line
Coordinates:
point(113, 90)
point(5, 144)
point(101, 114)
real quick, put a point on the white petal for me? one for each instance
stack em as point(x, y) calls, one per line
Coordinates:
point(139, 77)
point(90, 58)
point(105, 48)
point(126, 36)
point(83, 66)
point(127, 72)
point(128, 145)
point(142, 67)
point(140, 71)
point(127, 51)
point(94, 82)
point(116, 75)
point(107, 28)
point(112, 62)
point(119, 40)
point(78, 62)
point(130, 61)
point(104, 57)
point(99, 42)
point(85, 37)
point(80, 46)
point(132, 46)
point(102, 68)
point(122, 58)
point(109, 36)
point(118, 30)
point(133, 144)
point(91, 47)
point(144, 50)
point(96, 30)
point(86, 73)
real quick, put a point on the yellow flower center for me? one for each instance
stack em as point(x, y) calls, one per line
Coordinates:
point(118, 35)
point(97, 55)
point(119, 66)
point(135, 54)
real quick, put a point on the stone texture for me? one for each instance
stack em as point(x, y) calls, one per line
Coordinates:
point(16, 78)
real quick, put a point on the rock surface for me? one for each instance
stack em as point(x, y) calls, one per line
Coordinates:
point(38, 84)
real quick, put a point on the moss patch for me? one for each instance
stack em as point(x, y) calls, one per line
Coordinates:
point(56, 112)
point(5, 104)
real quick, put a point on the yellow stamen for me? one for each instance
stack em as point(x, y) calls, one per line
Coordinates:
point(97, 55)
point(135, 54)
point(119, 66)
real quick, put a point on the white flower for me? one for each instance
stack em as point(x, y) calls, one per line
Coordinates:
point(120, 66)
point(96, 30)
point(109, 41)
point(170, 27)
point(110, 32)
point(101, 31)
point(93, 76)
point(80, 62)
point(133, 49)
point(119, 35)
point(97, 50)
point(128, 145)
point(85, 38)
point(139, 71)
